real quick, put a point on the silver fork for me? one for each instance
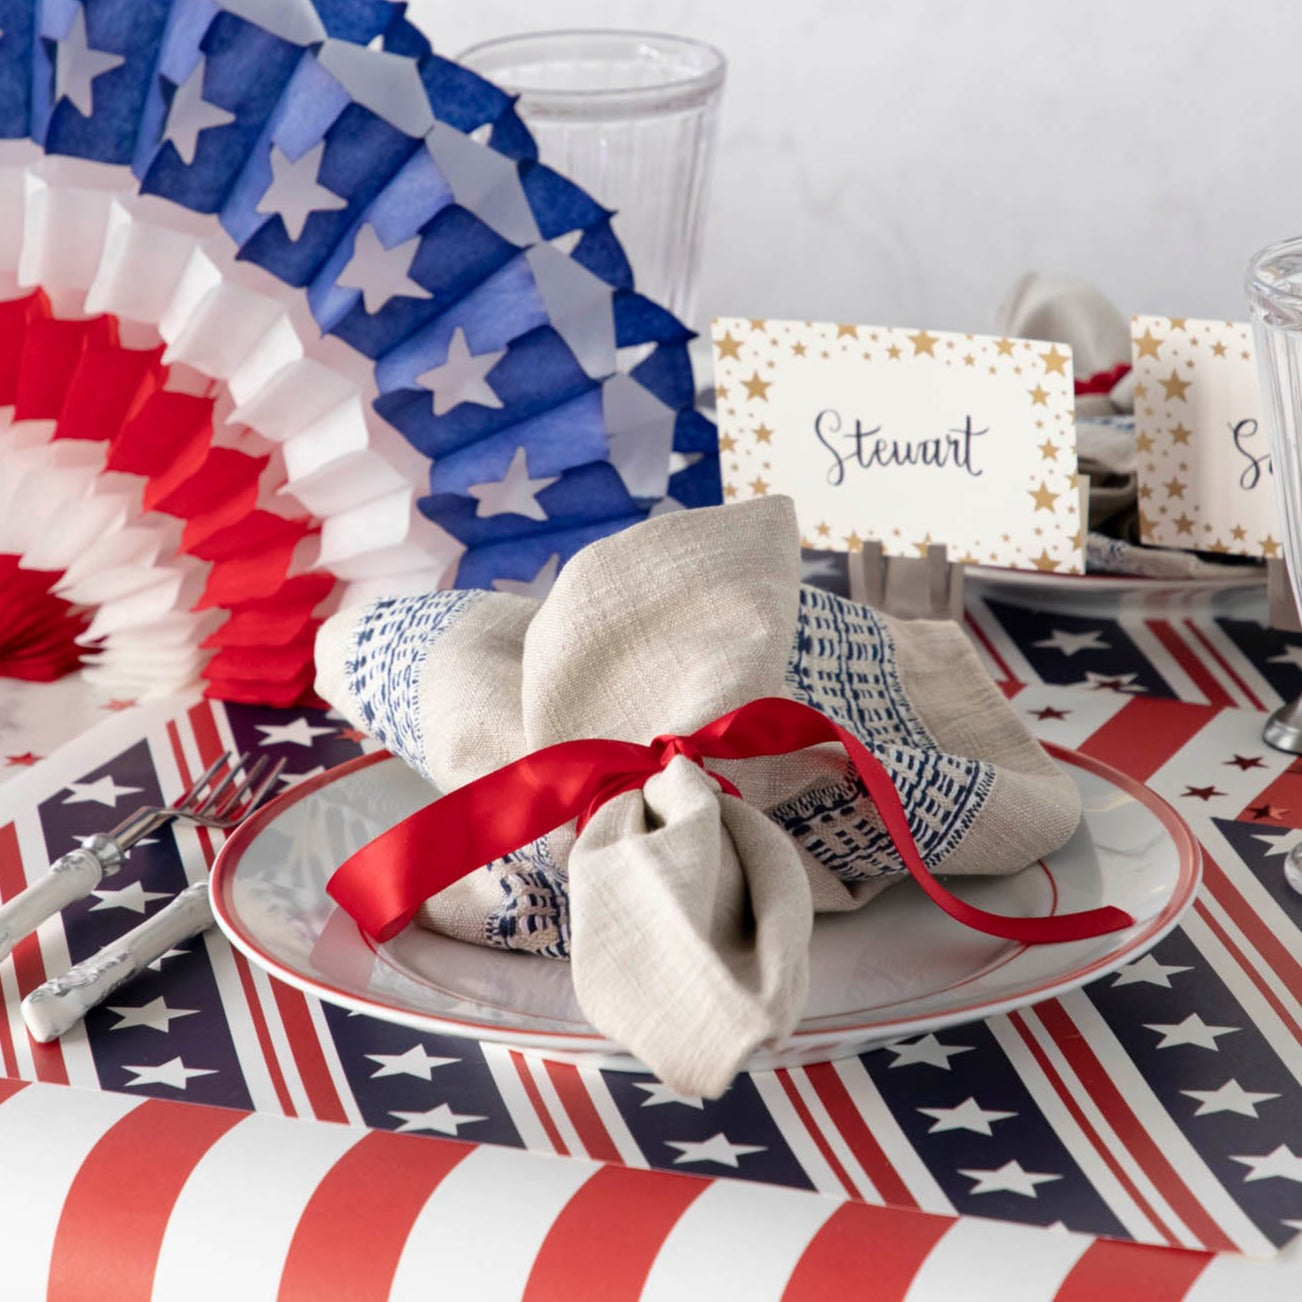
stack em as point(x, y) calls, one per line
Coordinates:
point(59, 1004)
point(80, 871)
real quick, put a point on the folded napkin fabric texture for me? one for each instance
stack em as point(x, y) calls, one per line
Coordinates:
point(686, 912)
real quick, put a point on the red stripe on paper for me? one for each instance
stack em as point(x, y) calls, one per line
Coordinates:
point(1129, 1129)
point(306, 1048)
point(263, 1033)
point(847, 1118)
point(1146, 732)
point(1228, 669)
point(815, 1133)
point(1286, 968)
point(116, 1212)
point(604, 1241)
point(8, 1088)
point(582, 1112)
point(1180, 651)
point(1087, 1128)
point(535, 1098)
point(29, 967)
point(351, 1234)
point(863, 1251)
point(1111, 1269)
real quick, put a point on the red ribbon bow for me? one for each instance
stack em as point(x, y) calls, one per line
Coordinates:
point(387, 880)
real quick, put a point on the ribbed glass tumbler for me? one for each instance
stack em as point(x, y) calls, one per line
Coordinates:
point(1274, 286)
point(633, 118)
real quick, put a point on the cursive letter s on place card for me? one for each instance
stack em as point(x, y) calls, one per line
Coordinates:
point(911, 437)
point(1203, 460)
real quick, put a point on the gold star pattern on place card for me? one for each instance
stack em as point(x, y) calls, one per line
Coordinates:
point(1054, 361)
point(1175, 387)
point(728, 346)
point(1044, 499)
point(1147, 344)
point(927, 435)
point(1200, 437)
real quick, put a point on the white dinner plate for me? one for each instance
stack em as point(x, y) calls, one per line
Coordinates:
point(1234, 577)
point(896, 968)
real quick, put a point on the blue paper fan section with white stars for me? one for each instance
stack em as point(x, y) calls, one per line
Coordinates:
point(352, 242)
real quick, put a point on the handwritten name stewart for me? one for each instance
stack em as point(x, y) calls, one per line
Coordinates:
point(869, 448)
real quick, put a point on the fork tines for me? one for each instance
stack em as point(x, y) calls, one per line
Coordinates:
point(230, 801)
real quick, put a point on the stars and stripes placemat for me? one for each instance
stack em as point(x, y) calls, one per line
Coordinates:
point(1158, 1104)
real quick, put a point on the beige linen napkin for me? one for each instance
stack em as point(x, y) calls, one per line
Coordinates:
point(685, 912)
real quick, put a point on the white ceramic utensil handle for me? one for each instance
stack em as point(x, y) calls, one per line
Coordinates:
point(70, 878)
point(63, 1001)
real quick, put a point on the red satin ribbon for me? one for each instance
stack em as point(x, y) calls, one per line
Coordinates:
point(385, 882)
point(1103, 381)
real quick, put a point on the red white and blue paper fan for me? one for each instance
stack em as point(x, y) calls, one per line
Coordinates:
point(293, 316)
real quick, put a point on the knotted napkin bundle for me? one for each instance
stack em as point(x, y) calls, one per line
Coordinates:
point(686, 911)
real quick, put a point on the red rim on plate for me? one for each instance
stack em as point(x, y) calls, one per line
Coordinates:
point(1189, 871)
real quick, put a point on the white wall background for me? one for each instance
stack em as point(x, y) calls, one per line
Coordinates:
point(902, 163)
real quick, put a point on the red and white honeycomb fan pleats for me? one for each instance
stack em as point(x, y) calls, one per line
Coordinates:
point(161, 525)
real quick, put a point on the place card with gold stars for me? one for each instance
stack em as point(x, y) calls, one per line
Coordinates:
point(1203, 462)
point(910, 437)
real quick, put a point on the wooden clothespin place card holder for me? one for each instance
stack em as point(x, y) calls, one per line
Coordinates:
point(909, 438)
point(911, 587)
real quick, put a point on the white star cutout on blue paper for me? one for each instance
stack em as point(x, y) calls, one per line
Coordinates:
point(927, 1050)
point(1282, 843)
point(1060, 639)
point(190, 115)
point(295, 193)
point(657, 1093)
point(415, 1062)
point(1193, 1030)
point(77, 65)
point(1292, 655)
point(1281, 1164)
point(298, 732)
point(1149, 971)
point(462, 376)
point(968, 1115)
point(515, 493)
point(1230, 1097)
point(133, 897)
point(173, 1072)
point(380, 273)
point(1009, 1178)
point(718, 1148)
point(288, 780)
point(156, 1015)
point(442, 1120)
point(103, 791)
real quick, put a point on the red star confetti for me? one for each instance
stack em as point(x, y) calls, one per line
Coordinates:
point(1049, 713)
point(118, 705)
point(1246, 761)
point(1202, 793)
point(26, 760)
point(1260, 812)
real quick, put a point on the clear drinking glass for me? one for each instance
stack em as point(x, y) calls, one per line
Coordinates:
point(1274, 285)
point(633, 118)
